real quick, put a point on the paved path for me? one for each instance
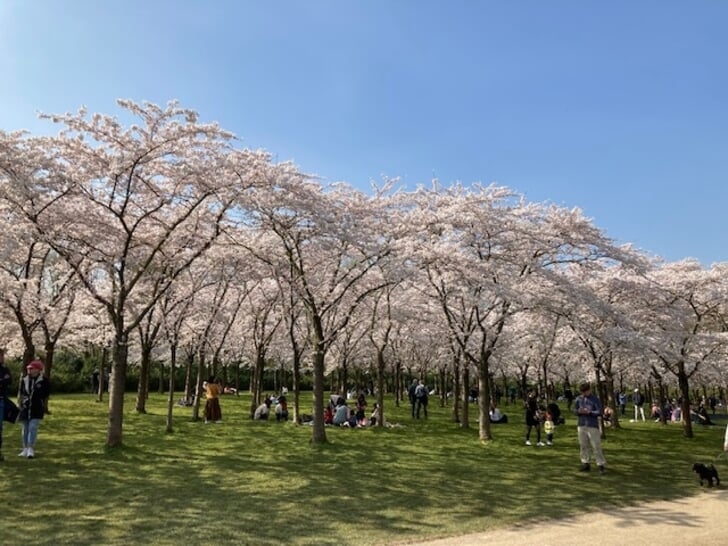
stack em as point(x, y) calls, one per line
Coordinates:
point(700, 520)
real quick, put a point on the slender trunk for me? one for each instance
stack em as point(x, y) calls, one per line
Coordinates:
point(170, 400)
point(102, 373)
point(50, 348)
point(456, 390)
point(296, 386)
point(143, 386)
point(380, 386)
point(484, 400)
point(465, 419)
point(161, 377)
point(198, 386)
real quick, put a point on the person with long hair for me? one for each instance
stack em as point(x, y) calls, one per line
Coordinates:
point(213, 412)
point(34, 391)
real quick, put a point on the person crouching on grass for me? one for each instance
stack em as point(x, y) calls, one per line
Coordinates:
point(588, 409)
point(34, 391)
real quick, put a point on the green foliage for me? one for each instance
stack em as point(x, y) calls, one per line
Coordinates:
point(245, 482)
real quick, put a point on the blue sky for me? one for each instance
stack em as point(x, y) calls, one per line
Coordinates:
point(619, 108)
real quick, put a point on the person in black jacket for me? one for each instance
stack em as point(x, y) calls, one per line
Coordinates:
point(5, 381)
point(34, 390)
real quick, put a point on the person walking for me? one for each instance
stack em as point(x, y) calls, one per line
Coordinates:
point(5, 381)
point(34, 391)
point(639, 401)
point(588, 408)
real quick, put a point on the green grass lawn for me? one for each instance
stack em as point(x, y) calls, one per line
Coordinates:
point(244, 482)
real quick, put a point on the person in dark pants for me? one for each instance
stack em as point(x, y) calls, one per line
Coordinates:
point(421, 394)
point(533, 419)
point(5, 381)
point(411, 395)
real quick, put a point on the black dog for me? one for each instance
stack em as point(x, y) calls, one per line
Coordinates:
point(706, 473)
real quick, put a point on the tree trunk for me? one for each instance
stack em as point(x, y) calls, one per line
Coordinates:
point(102, 373)
point(143, 386)
point(484, 400)
point(465, 418)
point(116, 396)
point(319, 431)
point(456, 390)
point(380, 386)
point(198, 386)
point(684, 386)
point(170, 400)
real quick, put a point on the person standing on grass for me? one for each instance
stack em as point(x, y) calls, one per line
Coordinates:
point(421, 394)
point(5, 381)
point(34, 391)
point(411, 395)
point(588, 408)
point(533, 419)
point(638, 401)
point(213, 411)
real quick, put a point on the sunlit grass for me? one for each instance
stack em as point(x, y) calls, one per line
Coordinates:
point(244, 482)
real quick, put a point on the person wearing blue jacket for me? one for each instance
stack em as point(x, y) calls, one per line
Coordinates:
point(588, 409)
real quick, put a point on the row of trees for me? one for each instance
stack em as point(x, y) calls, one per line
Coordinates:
point(159, 238)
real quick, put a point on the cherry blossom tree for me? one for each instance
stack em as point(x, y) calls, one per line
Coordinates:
point(142, 204)
point(676, 310)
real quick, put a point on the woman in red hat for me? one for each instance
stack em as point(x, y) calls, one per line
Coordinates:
point(34, 390)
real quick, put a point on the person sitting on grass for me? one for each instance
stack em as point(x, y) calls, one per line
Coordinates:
point(281, 410)
point(263, 411)
point(342, 415)
point(496, 416)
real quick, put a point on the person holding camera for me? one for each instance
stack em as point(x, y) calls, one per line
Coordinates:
point(34, 391)
point(588, 409)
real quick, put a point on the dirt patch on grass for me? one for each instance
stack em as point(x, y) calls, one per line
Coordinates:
point(696, 520)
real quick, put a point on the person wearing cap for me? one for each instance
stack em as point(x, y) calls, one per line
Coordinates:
point(588, 408)
point(5, 381)
point(34, 390)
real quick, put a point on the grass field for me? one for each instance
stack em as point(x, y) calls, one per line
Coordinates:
point(244, 482)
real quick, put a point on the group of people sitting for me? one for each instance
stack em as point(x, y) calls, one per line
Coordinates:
point(339, 414)
point(280, 409)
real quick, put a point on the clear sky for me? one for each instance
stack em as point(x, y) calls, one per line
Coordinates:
point(619, 108)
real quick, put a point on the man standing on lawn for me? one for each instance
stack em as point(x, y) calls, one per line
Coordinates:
point(588, 409)
point(5, 381)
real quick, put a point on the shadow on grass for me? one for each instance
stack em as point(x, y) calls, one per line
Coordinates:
point(244, 482)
